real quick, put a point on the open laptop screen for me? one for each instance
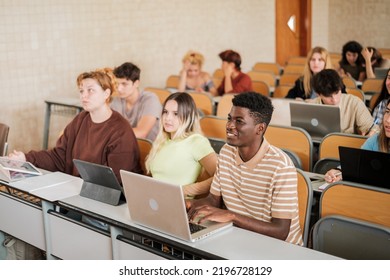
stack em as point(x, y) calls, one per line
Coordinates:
point(365, 167)
point(317, 119)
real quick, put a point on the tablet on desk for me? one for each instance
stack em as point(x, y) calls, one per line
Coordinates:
point(19, 166)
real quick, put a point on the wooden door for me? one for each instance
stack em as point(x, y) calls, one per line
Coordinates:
point(293, 29)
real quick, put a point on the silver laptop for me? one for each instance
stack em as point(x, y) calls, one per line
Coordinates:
point(160, 206)
point(317, 119)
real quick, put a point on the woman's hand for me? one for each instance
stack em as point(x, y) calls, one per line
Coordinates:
point(17, 155)
point(333, 175)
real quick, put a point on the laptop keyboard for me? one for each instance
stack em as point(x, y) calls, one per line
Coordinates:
point(195, 227)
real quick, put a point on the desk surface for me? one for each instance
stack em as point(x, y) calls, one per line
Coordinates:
point(64, 101)
point(233, 243)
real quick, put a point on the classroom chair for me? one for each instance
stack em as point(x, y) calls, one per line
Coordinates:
point(161, 93)
point(261, 87)
point(281, 91)
point(305, 201)
point(293, 138)
point(289, 79)
point(172, 81)
point(213, 127)
point(263, 76)
point(329, 146)
point(349, 82)
point(267, 67)
point(144, 145)
point(203, 102)
point(371, 86)
point(293, 68)
point(298, 60)
point(357, 92)
point(351, 238)
point(225, 105)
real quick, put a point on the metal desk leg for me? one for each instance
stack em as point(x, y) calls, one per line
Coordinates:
point(46, 206)
point(46, 126)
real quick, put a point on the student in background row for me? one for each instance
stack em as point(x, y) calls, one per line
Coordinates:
point(355, 116)
point(142, 109)
point(373, 59)
point(351, 63)
point(234, 81)
point(379, 142)
point(255, 185)
point(380, 103)
point(181, 154)
point(97, 134)
point(192, 78)
point(317, 59)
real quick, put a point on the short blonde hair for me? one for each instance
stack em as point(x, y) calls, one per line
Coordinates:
point(194, 58)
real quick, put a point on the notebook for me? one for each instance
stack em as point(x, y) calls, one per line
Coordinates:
point(365, 167)
point(160, 206)
point(317, 119)
point(100, 183)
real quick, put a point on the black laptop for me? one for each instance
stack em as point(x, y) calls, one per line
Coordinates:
point(100, 183)
point(365, 167)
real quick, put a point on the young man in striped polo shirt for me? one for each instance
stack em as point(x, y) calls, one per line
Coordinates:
point(255, 184)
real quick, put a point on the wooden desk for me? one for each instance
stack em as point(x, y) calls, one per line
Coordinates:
point(59, 105)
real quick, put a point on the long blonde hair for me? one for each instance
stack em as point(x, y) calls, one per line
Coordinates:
point(189, 123)
point(308, 74)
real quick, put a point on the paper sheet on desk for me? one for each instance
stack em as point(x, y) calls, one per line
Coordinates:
point(323, 186)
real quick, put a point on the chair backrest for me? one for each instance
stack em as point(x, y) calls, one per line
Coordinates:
point(299, 60)
point(160, 92)
point(357, 201)
point(203, 102)
point(349, 82)
point(172, 81)
point(294, 157)
point(351, 238)
point(218, 73)
point(216, 143)
point(305, 201)
point(144, 145)
point(293, 138)
point(224, 105)
point(213, 127)
point(281, 91)
point(267, 66)
point(217, 81)
point(288, 79)
point(329, 146)
point(294, 68)
point(4, 130)
point(372, 86)
point(261, 87)
point(323, 165)
point(357, 92)
point(373, 99)
point(263, 76)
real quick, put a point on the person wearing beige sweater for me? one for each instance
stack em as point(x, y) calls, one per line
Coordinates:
point(355, 118)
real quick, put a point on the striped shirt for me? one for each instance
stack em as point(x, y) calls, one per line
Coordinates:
point(263, 188)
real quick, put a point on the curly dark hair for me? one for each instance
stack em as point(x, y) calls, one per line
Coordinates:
point(354, 47)
point(260, 106)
